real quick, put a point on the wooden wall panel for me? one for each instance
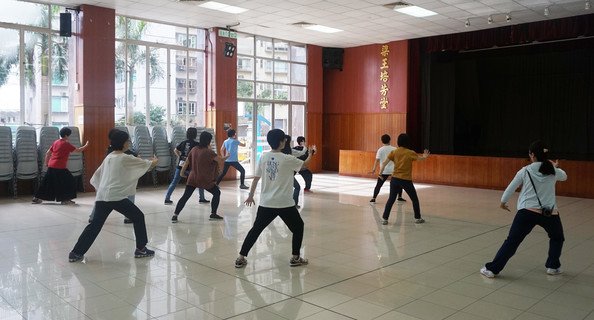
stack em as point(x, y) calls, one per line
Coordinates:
point(357, 132)
point(315, 100)
point(95, 74)
point(474, 172)
point(356, 89)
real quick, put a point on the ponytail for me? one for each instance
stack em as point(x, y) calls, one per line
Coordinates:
point(537, 148)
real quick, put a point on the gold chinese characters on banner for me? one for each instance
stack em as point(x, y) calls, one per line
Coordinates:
point(384, 76)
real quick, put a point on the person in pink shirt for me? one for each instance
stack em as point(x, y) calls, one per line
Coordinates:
point(58, 183)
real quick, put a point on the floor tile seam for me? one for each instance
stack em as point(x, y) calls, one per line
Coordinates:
point(270, 304)
point(396, 262)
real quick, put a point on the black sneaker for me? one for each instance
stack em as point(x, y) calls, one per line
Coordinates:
point(401, 199)
point(240, 262)
point(127, 221)
point(168, 202)
point(295, 262)
point(215, 216)
point(74, 257)
point(143, 253)
point(203, 201)
point(36, 201)
point(174, 219)
point(243, 186)
point(372, 200)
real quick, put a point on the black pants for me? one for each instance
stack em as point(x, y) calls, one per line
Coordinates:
point(57, 185)
point(307, 177)
point(235, 165)
point(102, 211)
point(524, 222)
point(264, 217)
point(396, 186)
point(214, 202)
point(380, 182)
point(296, 190)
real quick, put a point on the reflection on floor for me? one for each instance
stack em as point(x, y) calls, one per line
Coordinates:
point(359, 269)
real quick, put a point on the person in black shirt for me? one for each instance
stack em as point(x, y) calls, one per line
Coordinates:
point(304, 172)
point(181, 151)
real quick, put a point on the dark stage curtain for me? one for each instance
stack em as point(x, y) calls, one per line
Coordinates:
point(491, 92)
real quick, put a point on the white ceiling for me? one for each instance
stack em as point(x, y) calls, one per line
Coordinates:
point(363, 21)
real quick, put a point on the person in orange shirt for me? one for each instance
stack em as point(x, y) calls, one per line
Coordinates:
point(402, 176)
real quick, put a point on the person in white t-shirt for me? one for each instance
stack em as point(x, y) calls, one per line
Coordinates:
point(115, 180)
point(380, 157)
point(276, 170)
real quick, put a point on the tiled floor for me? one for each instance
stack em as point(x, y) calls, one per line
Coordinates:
point(359, 269)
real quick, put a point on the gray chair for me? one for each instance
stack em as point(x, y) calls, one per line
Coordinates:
point(76, 159)
point(143, 146)
point(6, 158)
point(161, 149)
point(47, 136)
point(27, 165)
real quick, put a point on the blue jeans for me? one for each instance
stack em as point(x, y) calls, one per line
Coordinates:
point(175, 181)
point(131, 198)
point(523, 223)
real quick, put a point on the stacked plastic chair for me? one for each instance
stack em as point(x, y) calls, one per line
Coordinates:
point(178, 134)
point(143, 145)
point(47, 136)
point(6, 158)
point(161, 149)
point(25, 148)
point(76, 164)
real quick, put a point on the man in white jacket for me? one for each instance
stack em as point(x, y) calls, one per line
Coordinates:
point(114, 181)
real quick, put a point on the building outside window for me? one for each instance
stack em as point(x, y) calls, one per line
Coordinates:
point(271, 92)
point(163, 68)
point(38, 94)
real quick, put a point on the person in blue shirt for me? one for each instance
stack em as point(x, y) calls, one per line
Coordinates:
point(229, 148)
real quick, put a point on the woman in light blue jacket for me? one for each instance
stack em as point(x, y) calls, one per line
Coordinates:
point(536, 206)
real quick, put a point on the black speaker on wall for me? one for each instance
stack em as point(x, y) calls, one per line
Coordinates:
point(332, 58)
point(66, 24)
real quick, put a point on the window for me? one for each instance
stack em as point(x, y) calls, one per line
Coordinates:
point(151, 91)
point(35, 66)
point(60, 104)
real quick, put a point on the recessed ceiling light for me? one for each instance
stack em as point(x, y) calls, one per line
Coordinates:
point(213, 5)
point(415, 11)
point(320, 28)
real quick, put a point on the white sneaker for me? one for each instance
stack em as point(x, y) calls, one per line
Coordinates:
point(487, 273)
point(421, 220)
point(553, 272)
point(384, 222)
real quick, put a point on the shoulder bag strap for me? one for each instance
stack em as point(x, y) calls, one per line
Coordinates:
point(533, 186)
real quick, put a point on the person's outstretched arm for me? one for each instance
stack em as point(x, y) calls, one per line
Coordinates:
point(81, 149)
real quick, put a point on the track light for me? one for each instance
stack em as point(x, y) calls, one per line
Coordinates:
point(546, 11)
point(467, 23)
point(508, 17)
point(587, 5)
point(490, 19)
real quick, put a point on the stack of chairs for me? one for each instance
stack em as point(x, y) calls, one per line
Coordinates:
point(27, 165)
point(143, 145)
point(6, 159)
point(161, 150)
point(76, 164)
point(47, 136)
point(178, 134)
